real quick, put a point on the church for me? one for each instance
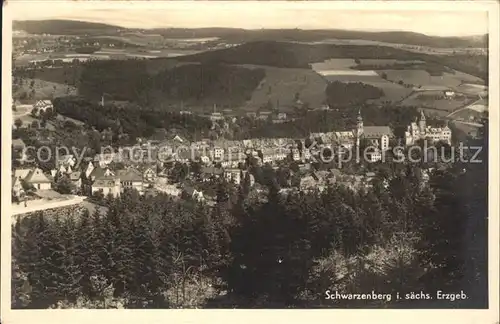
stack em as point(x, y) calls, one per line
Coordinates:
point(418, 130)
point(377, 136)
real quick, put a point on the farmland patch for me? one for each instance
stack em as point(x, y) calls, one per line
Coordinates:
point(382, 62)
point(333, 64)
point(422, 79)
point(473, 89)
point(392, 91)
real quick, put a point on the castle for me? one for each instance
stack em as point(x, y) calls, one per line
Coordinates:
point(420, 131)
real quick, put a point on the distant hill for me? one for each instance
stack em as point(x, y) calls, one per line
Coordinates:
point(64, 27)
point(242, 35)
point(250, 75)
point(297, 55)
point(294, 55)
point(300, 35)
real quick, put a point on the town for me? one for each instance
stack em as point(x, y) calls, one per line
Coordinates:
point(186, 169)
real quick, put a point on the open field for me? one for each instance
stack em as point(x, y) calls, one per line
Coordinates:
point(103, 54)
point(137, 39)
point(479, 106)
point(280, 86)
point(467, 115)
point(333, 64)
point(382, 62)
point(435, 100)
point(345, 70)
point(392, 91)
point(425, 80)
point(472, 89)
point(406, 47)
point(42, 89)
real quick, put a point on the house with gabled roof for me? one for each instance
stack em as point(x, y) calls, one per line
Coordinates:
point(105, 181)
point(38, 179)
point(130, 178)
point(43, 105)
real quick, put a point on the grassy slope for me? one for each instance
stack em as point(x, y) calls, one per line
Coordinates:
point(43, 89)
point(280, 86)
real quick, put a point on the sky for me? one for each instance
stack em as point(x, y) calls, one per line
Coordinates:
point(428, 17)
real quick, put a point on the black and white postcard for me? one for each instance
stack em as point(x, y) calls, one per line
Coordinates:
point(250, 161)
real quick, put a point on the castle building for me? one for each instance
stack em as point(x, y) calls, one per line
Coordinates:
point(419, 130)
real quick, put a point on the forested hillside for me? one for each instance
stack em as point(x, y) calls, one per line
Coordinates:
point(199, 84)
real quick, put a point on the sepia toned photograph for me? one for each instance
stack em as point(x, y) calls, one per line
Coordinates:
point(216, 157)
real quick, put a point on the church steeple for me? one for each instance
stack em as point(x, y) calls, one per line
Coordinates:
point(359, 129)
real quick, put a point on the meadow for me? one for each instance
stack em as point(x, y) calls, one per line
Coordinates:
point(40, 89)
point(282, 87)
point(344, 70)
point(435, 100)
point(426, 81)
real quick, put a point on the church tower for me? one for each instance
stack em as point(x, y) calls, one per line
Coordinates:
point(359, 133)
point(359, 127)
point(421, 122)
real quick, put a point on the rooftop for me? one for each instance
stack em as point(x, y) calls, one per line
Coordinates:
point(37, 176)
point(130, 174)
point(376, 131)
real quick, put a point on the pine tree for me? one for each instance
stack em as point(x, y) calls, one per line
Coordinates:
point(146, 256)
point(31, 258)
point(118, 249)
point(89, 245)
point(71, 270)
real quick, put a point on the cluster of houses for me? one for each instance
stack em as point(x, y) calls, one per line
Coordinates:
point(265, 115)
point(137, 167)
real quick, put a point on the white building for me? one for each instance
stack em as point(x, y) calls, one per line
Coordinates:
point(420, 131)
point(233, 175)
point(43, 105)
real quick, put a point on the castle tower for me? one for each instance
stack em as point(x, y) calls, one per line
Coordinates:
point(421, 122)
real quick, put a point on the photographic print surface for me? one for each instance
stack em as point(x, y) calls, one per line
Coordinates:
point(263, 158)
